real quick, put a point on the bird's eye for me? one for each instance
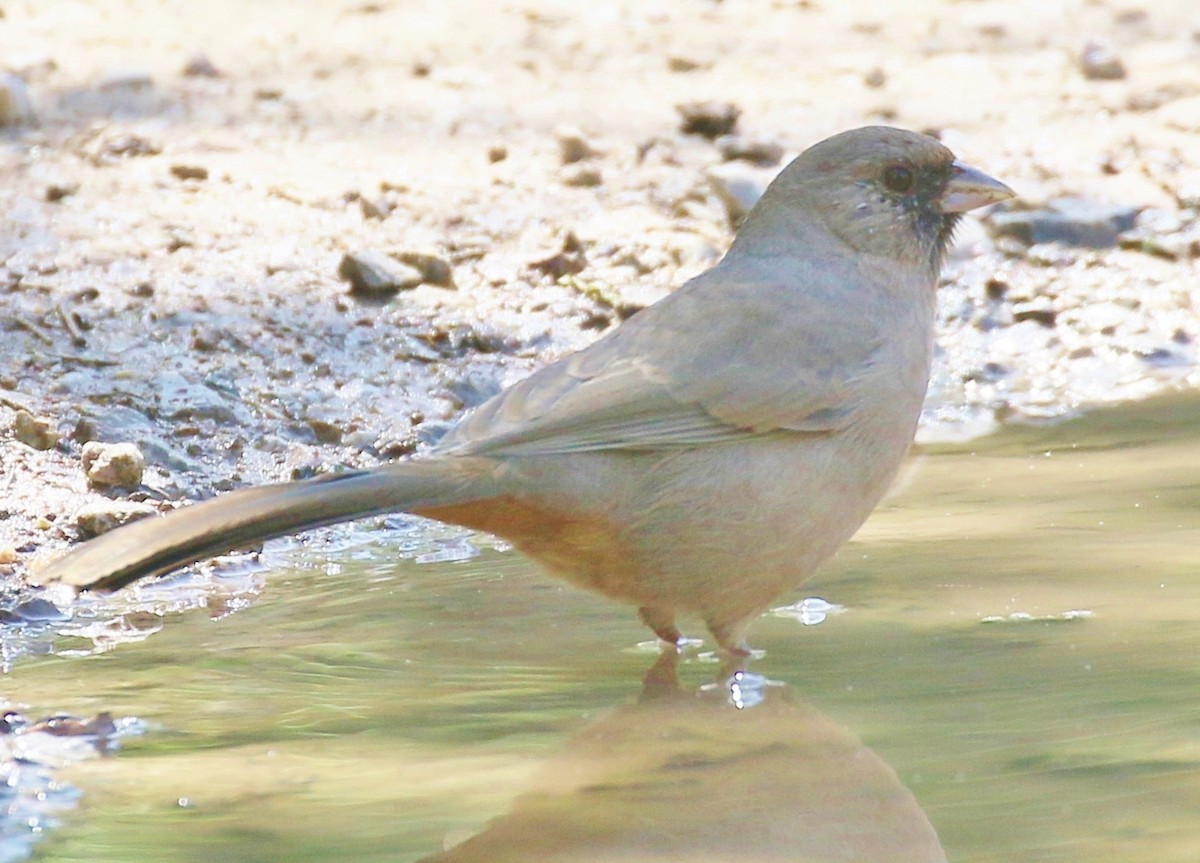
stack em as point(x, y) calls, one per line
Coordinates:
point(898, 178)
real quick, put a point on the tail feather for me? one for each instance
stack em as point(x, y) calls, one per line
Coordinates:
point(156, 546)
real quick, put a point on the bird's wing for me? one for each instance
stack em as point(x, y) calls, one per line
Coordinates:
point(731, 354)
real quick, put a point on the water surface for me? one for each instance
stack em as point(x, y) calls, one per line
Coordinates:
point(1015, 677)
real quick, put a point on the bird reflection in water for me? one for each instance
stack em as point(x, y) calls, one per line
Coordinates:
point(691, 775)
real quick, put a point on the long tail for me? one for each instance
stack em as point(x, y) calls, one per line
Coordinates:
point(155, 546)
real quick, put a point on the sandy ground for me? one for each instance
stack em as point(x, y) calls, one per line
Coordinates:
point(178, 197)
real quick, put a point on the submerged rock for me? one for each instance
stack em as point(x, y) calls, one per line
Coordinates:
point(101, 517)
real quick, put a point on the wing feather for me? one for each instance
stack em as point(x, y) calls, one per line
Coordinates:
point(732, 354)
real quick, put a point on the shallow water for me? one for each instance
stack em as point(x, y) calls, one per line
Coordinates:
point(1014, 677)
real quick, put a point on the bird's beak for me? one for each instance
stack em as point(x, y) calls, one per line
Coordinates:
point(970, 188)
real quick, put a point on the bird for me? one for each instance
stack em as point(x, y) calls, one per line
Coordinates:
point(702, 457)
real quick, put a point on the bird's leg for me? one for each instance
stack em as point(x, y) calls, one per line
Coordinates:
point(662, 621)
point(730, 636)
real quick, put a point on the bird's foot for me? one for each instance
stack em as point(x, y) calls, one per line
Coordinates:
point(662, 622)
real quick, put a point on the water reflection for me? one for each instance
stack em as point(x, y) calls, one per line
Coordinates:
point(1019, 641)
point(687, 775)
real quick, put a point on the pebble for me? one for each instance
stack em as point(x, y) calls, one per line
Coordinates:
point(56, 192)
point(434, 269)
point(497, 153)
point(1051, 255)
point(373, 274)
point(1038, 311)
point(35, 610)
point(123, 145)
point(573, 145)
point(178, 398)
point(126, 79)
point(679, 63)
point(189, 172)
point(112, 464)
point(581, 176)
point(36, 432)
point(1170, 247)
point(378, 208)
point(16, 108)
point(709, 119)
point(1099, 62)
point(1069, 220)
point(567, 262)
point(739, 187)
point(199, 66)
point(94, 519)
point(325, 431)
point(875, 79)
point(753, 150)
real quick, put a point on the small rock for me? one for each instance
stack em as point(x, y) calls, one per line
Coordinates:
point(434, 270)
point(1100, 63)
point(8, 555)
point(326, 432)
point(16, 109)
point(374, 208)
point(875, 79)
point(573, 145)
point(55, 192)
point(123, 145)
point(36, 432)
point(708, 119)
point(1171, 247)
point(1163, 358)
point(126, 79)
point(1071, 221)
point(1139, 103)
point(677, 63)
point(739, 187)
point(189, 172)
point(38, 610)
point(199, 66)
point(1158, 221)
point(581, 176)
point(497, 153)
point(112, 464)
point(180, 399)
point(753, 150)
point(568, 262)
point(1051, 255)
point(1039, 312)
point(375, 275)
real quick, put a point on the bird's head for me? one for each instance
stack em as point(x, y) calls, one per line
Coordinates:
point(884, 191)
